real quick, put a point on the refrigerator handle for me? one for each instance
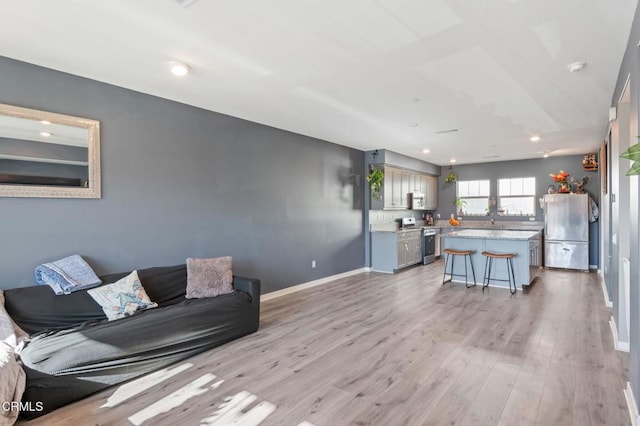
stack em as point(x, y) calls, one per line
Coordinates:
point(544, 213)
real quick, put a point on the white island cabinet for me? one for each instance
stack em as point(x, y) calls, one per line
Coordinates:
point(524, 244)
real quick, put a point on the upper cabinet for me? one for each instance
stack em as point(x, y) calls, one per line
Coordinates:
point(397, 186)
point(430, 189)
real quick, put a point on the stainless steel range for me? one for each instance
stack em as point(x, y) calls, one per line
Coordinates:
point(429, 246)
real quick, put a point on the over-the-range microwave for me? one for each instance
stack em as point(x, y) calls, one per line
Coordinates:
point(416, 200)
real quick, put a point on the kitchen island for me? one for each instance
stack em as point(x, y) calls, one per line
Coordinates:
point(524, 244)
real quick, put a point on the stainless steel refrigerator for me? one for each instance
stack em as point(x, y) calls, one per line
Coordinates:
point(566, 231)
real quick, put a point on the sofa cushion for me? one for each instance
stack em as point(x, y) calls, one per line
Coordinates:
point(209, 277)
point(37, 308)
point(165, 285)
point(122, 298)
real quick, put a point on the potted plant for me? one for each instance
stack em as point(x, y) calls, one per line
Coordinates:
point(451, 177)
point(375, 179)
point(459, 202)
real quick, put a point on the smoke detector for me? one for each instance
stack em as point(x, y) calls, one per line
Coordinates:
point(576, 66)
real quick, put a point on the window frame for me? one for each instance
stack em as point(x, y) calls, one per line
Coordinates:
point(522, 194)
point(473, 197)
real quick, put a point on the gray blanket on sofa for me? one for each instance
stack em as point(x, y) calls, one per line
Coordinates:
point(106, 353)
point(67, 275)
point(74, 351)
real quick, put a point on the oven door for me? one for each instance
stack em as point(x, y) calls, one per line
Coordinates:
point(429, 248)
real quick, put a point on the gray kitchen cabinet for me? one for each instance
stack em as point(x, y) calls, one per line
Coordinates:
point(535, 260)
point(406, 188)
point(394, 194)
point(437, 248)
point(397, 186)
point(391, 251)
point(401, 254)
point(396, 189)
point(430, 185)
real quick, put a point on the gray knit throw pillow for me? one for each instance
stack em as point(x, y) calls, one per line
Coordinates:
point(209, 277)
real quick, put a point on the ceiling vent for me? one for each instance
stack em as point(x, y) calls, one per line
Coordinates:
point(442, 132)
point(185, 3)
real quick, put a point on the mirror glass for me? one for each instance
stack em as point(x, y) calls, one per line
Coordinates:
point(44, 154)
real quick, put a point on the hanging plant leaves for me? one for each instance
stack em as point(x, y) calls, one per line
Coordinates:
point(375, 179)
point(635, 169)
point(632, 153)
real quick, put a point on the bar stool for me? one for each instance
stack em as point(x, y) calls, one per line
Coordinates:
point(489, 262)
point(455, 253)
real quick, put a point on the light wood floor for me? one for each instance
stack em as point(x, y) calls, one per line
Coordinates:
point(377, 349)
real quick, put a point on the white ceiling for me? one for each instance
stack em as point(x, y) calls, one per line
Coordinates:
point(361, 73)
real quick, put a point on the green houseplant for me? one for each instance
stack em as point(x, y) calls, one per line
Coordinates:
point(451, 177)
point(375, 179)
point(633, 154)
point(460, 203)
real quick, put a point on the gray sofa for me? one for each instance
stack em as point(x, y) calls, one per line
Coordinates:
point(73, 351)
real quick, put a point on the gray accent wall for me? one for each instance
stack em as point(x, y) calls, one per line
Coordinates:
point(178, 182)
point(538, 168)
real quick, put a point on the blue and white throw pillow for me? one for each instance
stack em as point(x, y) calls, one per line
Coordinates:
point(122, 298)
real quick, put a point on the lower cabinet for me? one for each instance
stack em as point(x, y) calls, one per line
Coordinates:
point(534, 257)
point(391, 251)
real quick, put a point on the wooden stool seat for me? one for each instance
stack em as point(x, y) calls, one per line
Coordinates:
point(455, 253)
point(498, 255)
point(461, 252)
point(508, 257)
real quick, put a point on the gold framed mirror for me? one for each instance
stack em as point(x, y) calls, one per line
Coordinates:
point(48, 155)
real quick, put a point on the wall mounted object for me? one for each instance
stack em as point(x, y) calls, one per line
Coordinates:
point(48, 155)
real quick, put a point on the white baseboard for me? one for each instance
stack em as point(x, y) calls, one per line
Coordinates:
point(619, 346)
point(631, 405)
point(608, 303)
point(303, 286)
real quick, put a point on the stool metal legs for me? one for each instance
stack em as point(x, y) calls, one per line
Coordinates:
point(510, 274)
point(451, 274)
point(472, 271)
point(446, 261)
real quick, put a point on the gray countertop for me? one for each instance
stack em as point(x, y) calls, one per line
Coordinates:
point(491, 234)
point(505, 226)
point(400, 230)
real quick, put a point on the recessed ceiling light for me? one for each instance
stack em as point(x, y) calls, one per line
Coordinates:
point(576, 66)
point(453, 160)
point(534, 138)
point(45, 122)
point(179, 69)
point(45, 134)
point(546, 154)
point(425, 151)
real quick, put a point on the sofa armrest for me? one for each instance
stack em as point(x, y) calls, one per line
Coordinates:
point(250, 286)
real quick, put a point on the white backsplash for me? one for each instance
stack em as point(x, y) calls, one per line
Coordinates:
point(380, 220)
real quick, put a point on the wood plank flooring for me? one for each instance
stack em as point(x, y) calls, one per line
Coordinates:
point(376, 349)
